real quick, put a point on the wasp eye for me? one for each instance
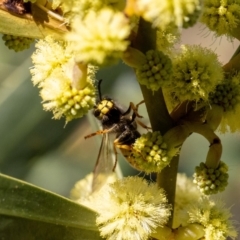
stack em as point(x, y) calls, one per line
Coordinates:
point(96, 113)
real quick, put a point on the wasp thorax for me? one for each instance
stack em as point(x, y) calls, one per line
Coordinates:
point(103, 108)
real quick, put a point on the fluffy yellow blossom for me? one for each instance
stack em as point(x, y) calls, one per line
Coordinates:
point(167, 38)
point(130, 209)
point(163, 13)
point(60, 97)
point(221, 16)
point(81, 7)
point(131, 214)
point(186, 194)
point(66, 87)
point(192, 207)
point(99, 38)
point(82, 189)
point(83, 193)
point(214, 217)
point(196, 73)
point(49, 55)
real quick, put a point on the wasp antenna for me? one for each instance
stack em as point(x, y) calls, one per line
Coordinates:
point(99, 89)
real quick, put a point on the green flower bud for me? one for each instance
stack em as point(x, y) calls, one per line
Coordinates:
point(209, 180)
point(156, 72)
point(150, 153)
point(17, 43)
point(226, 95)
point(65, 100)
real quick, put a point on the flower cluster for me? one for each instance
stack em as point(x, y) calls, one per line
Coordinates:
point(130, 214)
point(150, 153)
point(167, 38)
point(99, 33)
point(209, 180)
point(196, 72)
point(71, 8)
point(227, 96)
point(163, 13)
point(186, 194)
point(66, 87)
point(141, 210)
point(193, 207)
point(133, 213)
point(156, 72)
point(222, 17)
point(214, 217)
point(100, 37)
point(17, 43)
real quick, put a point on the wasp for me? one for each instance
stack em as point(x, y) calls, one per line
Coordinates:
point(115, 121)
point(17, 6)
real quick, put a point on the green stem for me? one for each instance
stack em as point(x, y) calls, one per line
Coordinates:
point(167, 180)
point(236, 52)
point(215, 149)
point(156, 107)
point(233, 64)
point(158, 113)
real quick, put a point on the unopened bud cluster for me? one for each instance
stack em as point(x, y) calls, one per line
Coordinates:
point(76, 103)
point(226, 95)
point(150, 153)
point(157, 70)
point(210, 180)
point(17, 43)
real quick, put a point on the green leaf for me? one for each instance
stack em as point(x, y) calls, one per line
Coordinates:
point(36, 25)
point(29, 212)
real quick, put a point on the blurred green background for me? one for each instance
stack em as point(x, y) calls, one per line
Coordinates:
point(45, 152)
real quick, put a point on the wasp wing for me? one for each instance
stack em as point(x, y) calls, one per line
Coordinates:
point(104, 164)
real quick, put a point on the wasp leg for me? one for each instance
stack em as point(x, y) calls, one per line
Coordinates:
point(97, 133)
point(135, 108)
point(128, 110)
point(101, 131)
point(143, 125)
point(112, 129)
point(143, 101)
